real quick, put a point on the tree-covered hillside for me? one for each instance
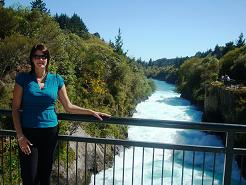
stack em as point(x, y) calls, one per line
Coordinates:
point(164, 69)
point(197, 72)
point(192, 74)
point(95, 74)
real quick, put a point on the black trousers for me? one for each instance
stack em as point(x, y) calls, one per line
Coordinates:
point(36, 167)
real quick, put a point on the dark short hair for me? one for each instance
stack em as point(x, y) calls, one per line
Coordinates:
point(45, 51)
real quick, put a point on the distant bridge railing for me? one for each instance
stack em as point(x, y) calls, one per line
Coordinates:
point(67, 169)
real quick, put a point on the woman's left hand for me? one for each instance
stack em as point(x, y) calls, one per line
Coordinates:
point(99, 114)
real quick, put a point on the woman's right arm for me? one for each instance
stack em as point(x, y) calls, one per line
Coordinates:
point(17, 97)
point(23, 142)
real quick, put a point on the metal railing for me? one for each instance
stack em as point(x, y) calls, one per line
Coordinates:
point(86, 154)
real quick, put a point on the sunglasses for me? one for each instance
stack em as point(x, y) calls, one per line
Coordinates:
point(40, 56)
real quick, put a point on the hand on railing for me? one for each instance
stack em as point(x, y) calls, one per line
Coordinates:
point(99, 115)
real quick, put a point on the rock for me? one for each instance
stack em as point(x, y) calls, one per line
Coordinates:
point(227, 105)
point(91, 167)
point(223, 104)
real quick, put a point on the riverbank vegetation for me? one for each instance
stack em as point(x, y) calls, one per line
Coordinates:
point(192, 74)
point(214, 80)
point(198, 72)
point(98, 75)
point(163, 69)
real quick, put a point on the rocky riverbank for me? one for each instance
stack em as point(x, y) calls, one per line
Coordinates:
point(82, 159)
point(227, 104)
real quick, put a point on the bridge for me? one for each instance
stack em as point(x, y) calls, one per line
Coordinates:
point(69, 163)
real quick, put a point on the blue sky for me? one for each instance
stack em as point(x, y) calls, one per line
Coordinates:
point(158, 28)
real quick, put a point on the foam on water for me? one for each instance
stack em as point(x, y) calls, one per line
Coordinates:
point(166, 104)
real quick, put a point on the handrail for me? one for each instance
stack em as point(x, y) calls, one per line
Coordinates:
point(132, 143)
point(229, 129)
point(205, 126)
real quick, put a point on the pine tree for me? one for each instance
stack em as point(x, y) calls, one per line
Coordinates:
point(217, 52)
point(77, 24)
point(63, 20)
point(74, 24)
point(118, 43)
point(97, 35)
point(228, 47)
point(2, 3)
point(39, 5)
point(240, 41)
point(111, 44)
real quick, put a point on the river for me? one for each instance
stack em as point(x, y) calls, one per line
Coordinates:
point(166, 104)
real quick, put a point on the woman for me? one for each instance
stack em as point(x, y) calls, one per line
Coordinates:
point(34, 117)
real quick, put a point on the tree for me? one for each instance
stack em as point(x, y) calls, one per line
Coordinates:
point(228, 47)
point(111, 44)
point(118, 43)
point(2, 3)
point(234, 64)
point(217, 52)
point(74, 24)
point(150, 61)
point(240, 41)
point(77, 23)
point(8, 21)
point(40, 5)
point(97, 35)
point(63, 20)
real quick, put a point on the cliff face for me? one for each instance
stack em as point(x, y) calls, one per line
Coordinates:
point(225, 104)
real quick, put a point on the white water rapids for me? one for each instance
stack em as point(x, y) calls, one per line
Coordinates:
point(166, 104)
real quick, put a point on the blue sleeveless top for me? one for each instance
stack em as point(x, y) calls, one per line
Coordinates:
point(38, 105)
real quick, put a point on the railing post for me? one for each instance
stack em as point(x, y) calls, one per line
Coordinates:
point(228, 157)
